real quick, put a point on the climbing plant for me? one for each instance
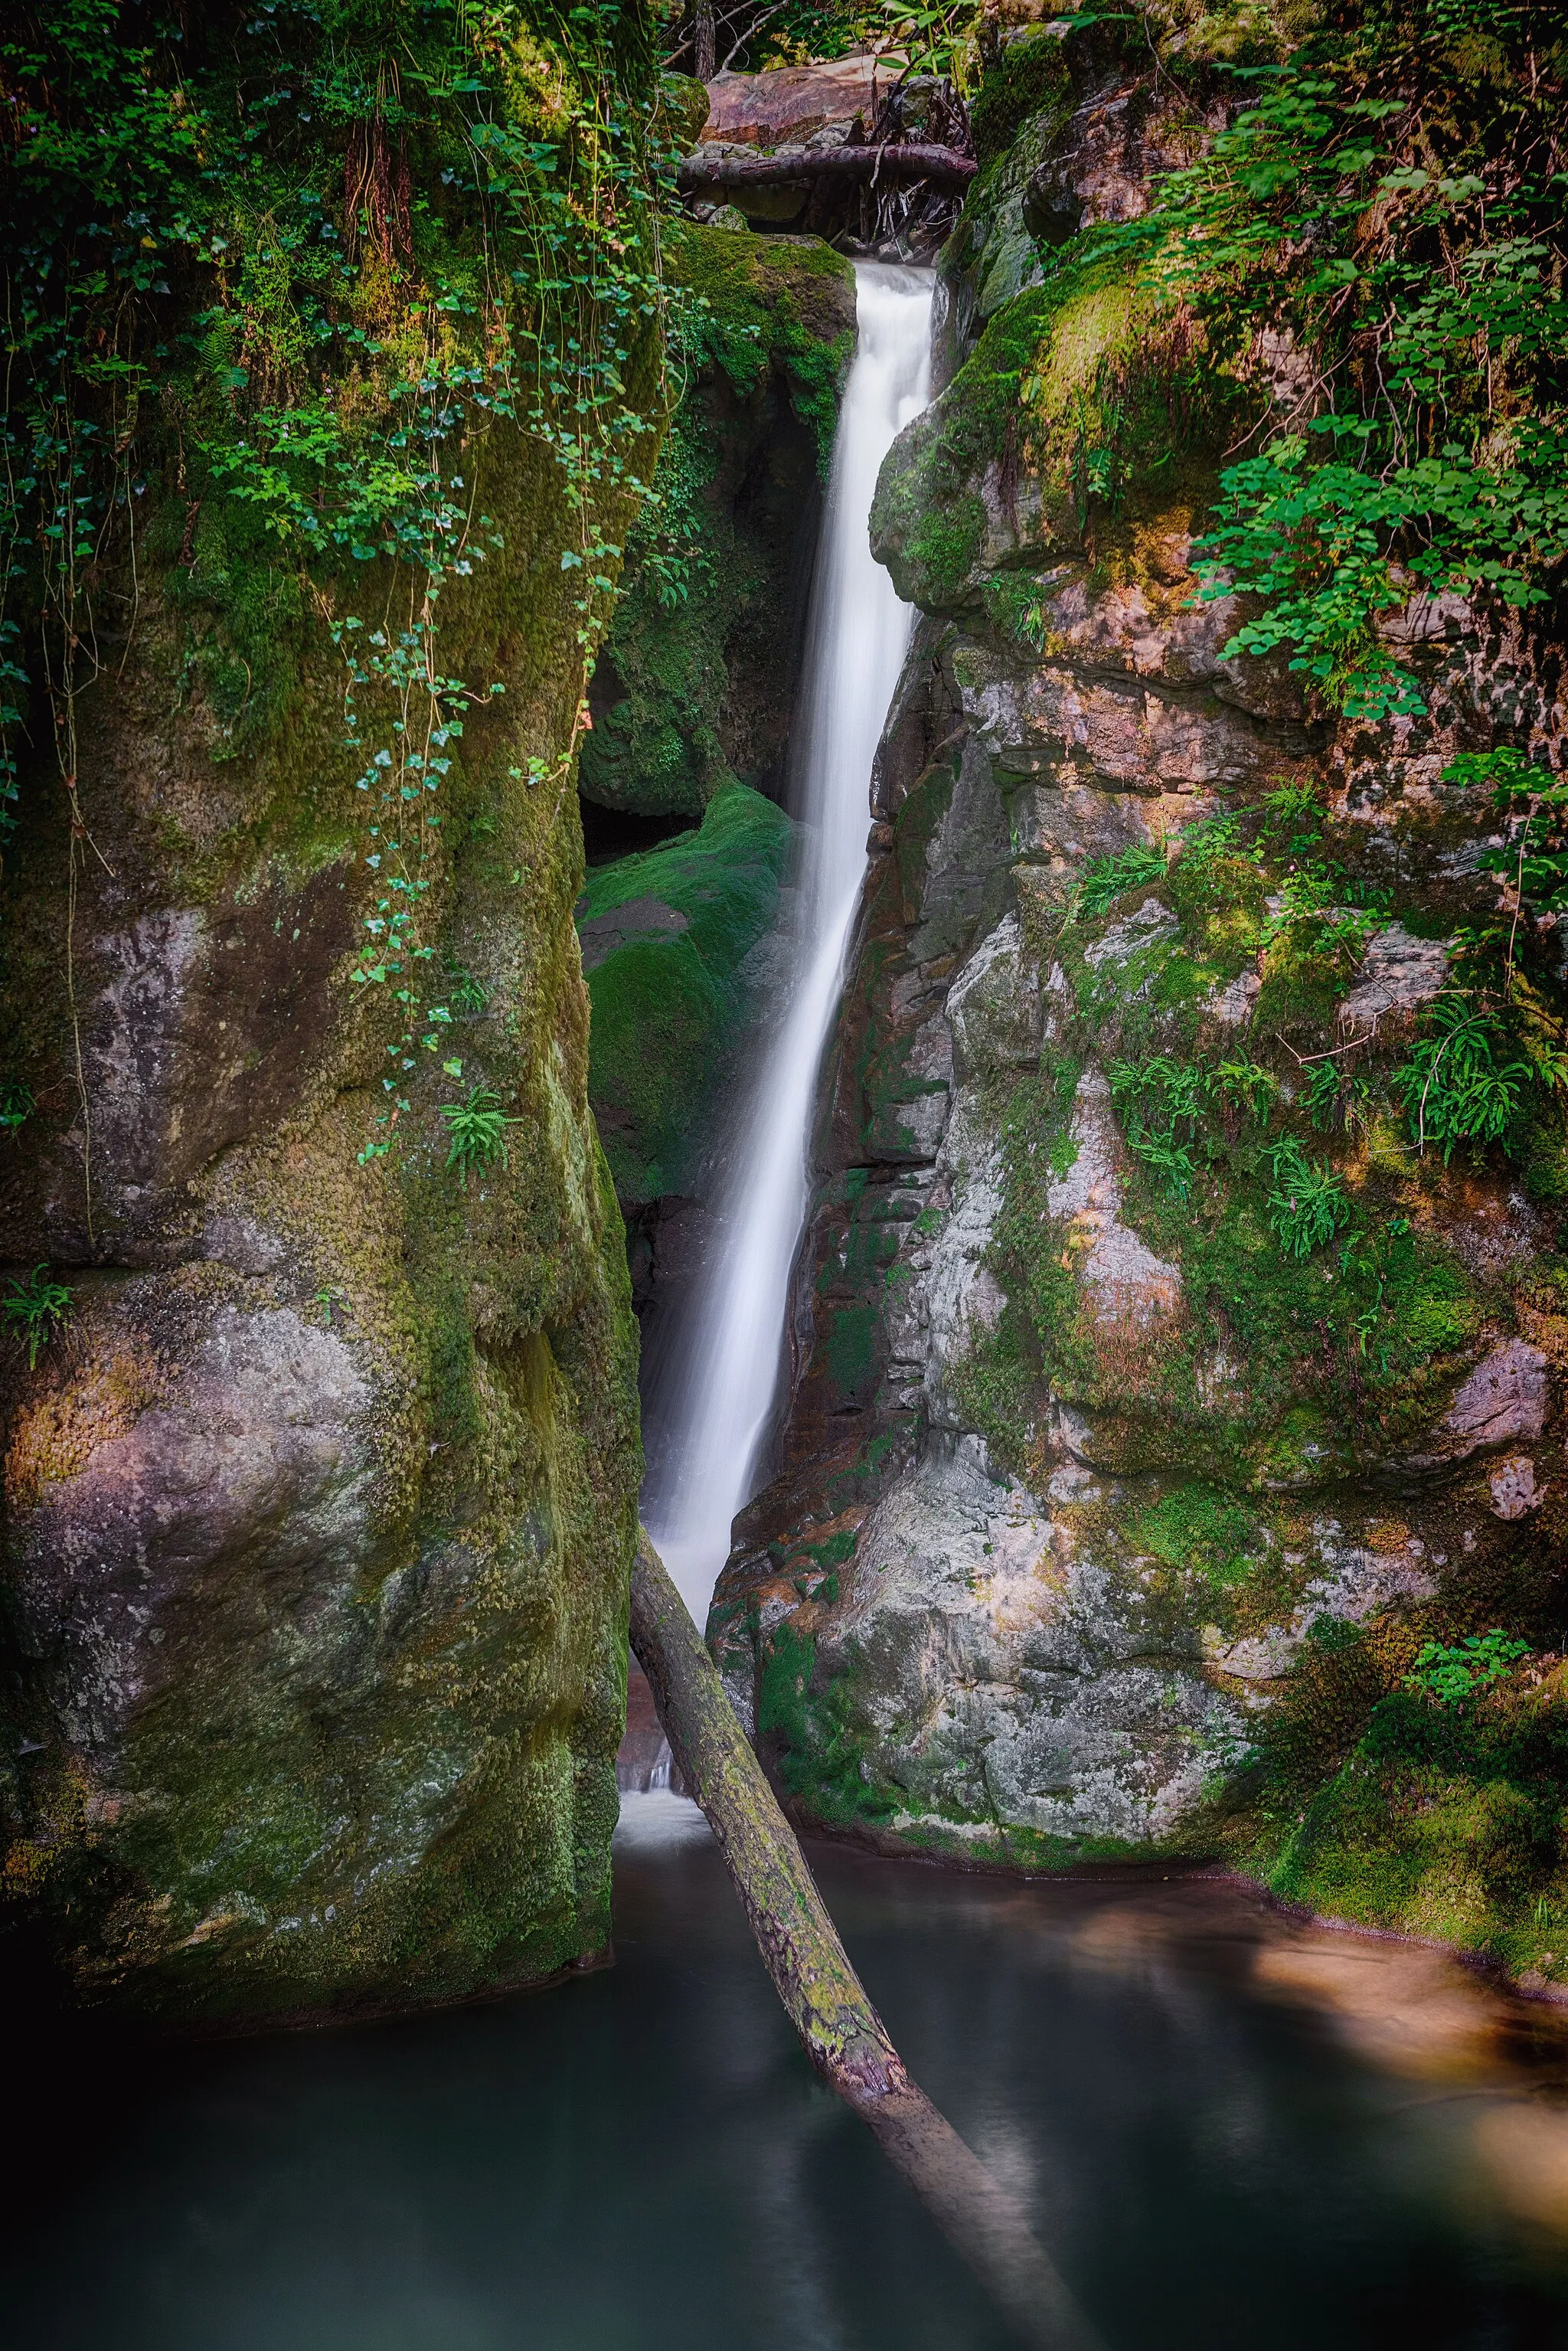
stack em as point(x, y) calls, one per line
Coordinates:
point(297, 260)
point(1373, 246)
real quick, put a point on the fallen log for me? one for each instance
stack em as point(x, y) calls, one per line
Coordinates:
point(942, 167)
point(839, 2030)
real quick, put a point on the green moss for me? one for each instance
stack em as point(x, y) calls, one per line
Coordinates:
point(821, 1755)
point(1075, 402)
point(765, 302)
point(1031, 73)
point(692, 689)
point(1376, 1803)
point(1341, 1357)
point(1200, 1527)
point(669, 1009)
point(850, 1350)
point(683, 108)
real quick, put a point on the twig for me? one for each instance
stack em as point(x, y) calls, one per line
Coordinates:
point(751, 32)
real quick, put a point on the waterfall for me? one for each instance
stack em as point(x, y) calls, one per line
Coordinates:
point(706, 1420)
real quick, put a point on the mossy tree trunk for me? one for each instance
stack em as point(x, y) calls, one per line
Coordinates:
point(839, 2030)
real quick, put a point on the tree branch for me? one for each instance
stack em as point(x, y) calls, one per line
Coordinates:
point(839, 2030)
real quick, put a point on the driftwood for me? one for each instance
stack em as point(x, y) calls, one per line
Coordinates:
point(941, 167)
point(839, 2030)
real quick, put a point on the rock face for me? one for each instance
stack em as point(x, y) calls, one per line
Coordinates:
point(787, 104)
point(692, 701)
point(674, 943)
point(1100, 1473)
point(318, 1514)
point(320, 1499)
point(696, 682)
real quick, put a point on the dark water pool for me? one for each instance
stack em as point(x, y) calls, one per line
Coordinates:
point(640, 2161)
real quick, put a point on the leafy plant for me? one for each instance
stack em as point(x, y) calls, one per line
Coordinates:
point(217, 222)
point(478, 1129)
point(1371, 1259)
point(1181, 1090)
point(16, 1105)
point(38, 1307)
point(1413, 241)
point(1210, 838)
point(1313, 912)
point(1308, 1204)
point(1457, 1084)
point(1248, 1087)
point(1453, 1675)
point(929, 38)
point(1333, 1095)
point(1295, 809)
point(1532, 863)
point(1103, 879)
point(1315, 541)
point(1165, 1156)
point(464, 993)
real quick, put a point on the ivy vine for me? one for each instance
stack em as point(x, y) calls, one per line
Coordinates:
point(299, 258)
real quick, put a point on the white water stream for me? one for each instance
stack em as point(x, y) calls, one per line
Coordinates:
point(707, 1420)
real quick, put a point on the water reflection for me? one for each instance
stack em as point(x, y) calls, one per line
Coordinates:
point(1223, 2144)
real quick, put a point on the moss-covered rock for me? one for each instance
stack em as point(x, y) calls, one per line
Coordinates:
point(1168, 1382)
point(320, 1501)
point(696, 682)
point(1082, 413)
point(665, 939)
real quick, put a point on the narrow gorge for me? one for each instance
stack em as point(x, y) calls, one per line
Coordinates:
point(797, 774)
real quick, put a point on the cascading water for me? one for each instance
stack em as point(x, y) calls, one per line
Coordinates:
point(706, 1420)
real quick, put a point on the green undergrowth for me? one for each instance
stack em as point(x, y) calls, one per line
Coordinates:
point(1431, 1803)
point(319, 317)
point(1385, 192)
point(669, 1003)
point(1315, 1317)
